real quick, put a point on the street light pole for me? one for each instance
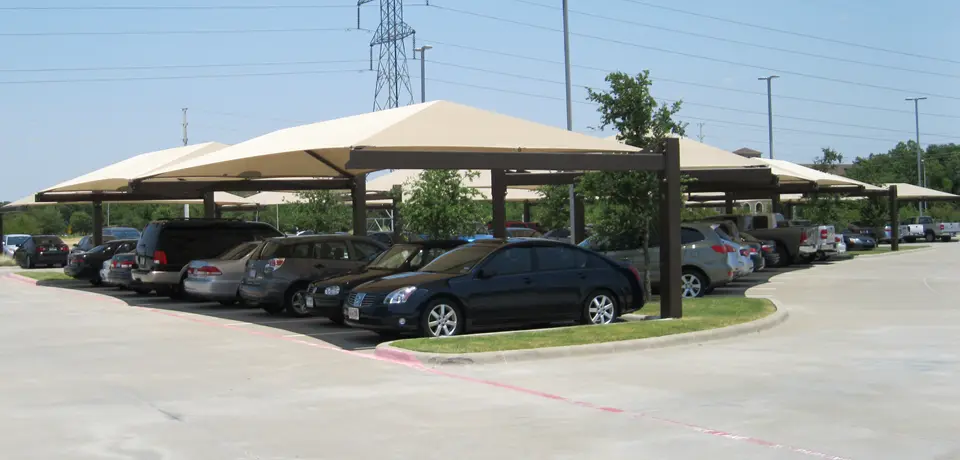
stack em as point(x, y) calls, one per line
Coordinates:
point(423, 70)
point(770, 109)
point(574, 237)
point(916, 118)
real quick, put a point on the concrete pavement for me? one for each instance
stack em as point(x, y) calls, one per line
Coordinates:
point(865, 369)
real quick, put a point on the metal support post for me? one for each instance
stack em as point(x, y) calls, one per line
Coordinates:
point(359, 195)
point(894, 218)
point(671, 305)
point(97, 223)
point(498, 190)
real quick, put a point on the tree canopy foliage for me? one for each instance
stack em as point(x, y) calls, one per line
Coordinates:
point(441, 206)
point(323, 211)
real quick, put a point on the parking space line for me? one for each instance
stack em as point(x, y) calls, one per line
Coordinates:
point(319, 334)
point(279, 321)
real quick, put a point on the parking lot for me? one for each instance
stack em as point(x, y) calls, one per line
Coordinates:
point(865, 368)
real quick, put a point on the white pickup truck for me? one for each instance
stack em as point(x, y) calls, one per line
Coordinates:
point(924, 227)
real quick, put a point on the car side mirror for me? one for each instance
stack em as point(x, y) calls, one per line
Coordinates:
point(486, 273)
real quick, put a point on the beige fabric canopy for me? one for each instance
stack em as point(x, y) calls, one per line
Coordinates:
point(697, 155)
point(221, 198)
point(481, 183)
point(322, 149)
point(914, 192)
point(273, 198)
point(787, 170)
point(117, 176)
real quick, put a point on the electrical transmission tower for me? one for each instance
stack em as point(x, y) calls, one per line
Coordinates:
point(393, 77)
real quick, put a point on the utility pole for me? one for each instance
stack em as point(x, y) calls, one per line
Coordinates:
point(393, 78)
point(423, 70)
point(574, 237)
point(770, 109)
point(700, 136)
point(186, 207)
point(916, 117)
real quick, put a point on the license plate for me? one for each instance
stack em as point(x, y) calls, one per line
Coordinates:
point(353, 313)
point(252, 274)
point(309, 302)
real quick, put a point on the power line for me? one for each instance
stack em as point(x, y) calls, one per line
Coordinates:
point(790, 32)
point(713, 120)
point(696, 104)
point(182, 77)
point(180, 66)
point(743, 43)
point(701, 85)
point(698, 56)
point(177, 7)
point(181, 32)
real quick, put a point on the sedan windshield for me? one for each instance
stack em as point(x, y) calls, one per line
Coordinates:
point(16, 240)
point(394, 257)
point(460, 260)
point(125, 233)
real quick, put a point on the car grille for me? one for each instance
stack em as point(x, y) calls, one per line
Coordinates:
point(367, 301)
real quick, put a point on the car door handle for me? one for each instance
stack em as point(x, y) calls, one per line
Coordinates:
point(527, 280)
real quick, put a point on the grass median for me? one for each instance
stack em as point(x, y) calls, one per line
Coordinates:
point(883, 250)
point(698, 315)
point(45, 276)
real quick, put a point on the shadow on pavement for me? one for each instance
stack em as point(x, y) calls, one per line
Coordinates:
point(319, 328)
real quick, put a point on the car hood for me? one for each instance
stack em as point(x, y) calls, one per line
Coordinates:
point(353, 279)
point(400, 280)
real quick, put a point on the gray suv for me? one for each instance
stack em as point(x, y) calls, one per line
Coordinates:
point(279, 272)
point(704, 259)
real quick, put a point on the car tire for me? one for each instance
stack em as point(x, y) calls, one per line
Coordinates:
point(29, 263)
point(945, 239)
point(142, 291)
point(96, 281)
point(910, 239)
point(930, 237)
point(227, 303)
point(783, 257)
point(438, 316)
point(296, 301)
point(274, 309)
point(338, 319)
point(600, 307)
point(693, 283)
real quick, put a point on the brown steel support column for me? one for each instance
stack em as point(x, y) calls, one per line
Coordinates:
point(498, 185)
point(1, 233)
point(217, 211)
point(791, 210)
point(97, 223)
point(727, 204)
point(209, 206)
point(775, 203)
point(894, 219)
point(526, 211)
point(671, 305)
point(397, 204)
point(358, 192)
point(579, 220)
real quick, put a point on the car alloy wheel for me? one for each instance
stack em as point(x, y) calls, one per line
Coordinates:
point(298, 302)
point(691, 285)
point(442, 320)
point(601, 309)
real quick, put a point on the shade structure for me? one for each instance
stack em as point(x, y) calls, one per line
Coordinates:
point(790, 170)
point(324, 149)
point(699, 156)
point(220, 198)
point(483, 183)
point(273, 198)
point(914, 192)
point(117, 176)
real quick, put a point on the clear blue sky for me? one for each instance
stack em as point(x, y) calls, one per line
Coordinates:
point(55, 131)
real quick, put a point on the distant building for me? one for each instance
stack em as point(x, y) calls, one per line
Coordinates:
point(748, 153)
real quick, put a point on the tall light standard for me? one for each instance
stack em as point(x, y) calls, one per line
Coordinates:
point(574, 237)
point(423, 70)
point(916, 117)
point(770, 109)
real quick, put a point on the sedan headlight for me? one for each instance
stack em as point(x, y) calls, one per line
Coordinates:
point(400, 295)
point(332, 290)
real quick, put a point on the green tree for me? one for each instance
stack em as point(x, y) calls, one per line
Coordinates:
point(826, 209)
point(81, 223)
point(323, 211)
point(628, 201)
point(441, 206)
point(553, 209)
point(21, 223)
point(49, 219)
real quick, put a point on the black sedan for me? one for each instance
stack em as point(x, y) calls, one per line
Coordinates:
point(41, 250)
point(496, 283)
point(87, 265)
point(858, 241)
point(325, 297)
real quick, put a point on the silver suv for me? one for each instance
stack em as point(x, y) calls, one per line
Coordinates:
point(704, 257)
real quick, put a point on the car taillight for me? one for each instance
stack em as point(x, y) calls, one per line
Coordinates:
point(753, 250)
point(159, 257)
point(65, 248)
point(637, 274)
point(719, 248)
point(273, 264)
point(745, 253)
point(837, 238)
point(207, 270)
point(942, 227)
point(41, 248)
point(113, 264)
point(823, 234)
point(803, 237)
point(727, 248)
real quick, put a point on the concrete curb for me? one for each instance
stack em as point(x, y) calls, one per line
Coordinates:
point(22, 278)
point(387, 350)
point(898, 253)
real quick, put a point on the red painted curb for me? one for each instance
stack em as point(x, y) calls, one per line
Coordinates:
point(395, 354)
point(21, 278)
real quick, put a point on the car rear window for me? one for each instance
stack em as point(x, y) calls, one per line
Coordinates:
point(238, 252)
point(47, 241)
point(183, 243)
point(16, 240)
